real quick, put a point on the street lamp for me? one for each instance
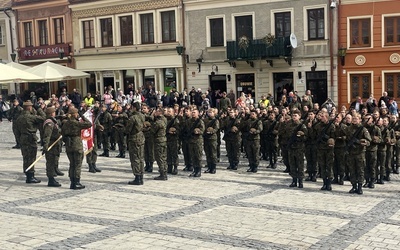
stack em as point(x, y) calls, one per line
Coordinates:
point(185, 59)
point(13, 56)
point(61, 53)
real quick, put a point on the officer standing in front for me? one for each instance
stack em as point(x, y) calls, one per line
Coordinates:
point(71, 132)
point(26, 128)
point(51, 133)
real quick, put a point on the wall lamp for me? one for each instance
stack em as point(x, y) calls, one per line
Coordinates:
point(181, 51)
point(342, 54)
point(13, 56)
point(214, 69)
point(61, 54)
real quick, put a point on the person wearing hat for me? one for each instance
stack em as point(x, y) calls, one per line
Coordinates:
point(71, 132)
point(51, 132)
point(14, 113)
point(26, 128)
point(224, 102)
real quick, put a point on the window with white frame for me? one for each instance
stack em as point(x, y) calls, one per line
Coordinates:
point(316, 24)
point(147, 28)
point(360, 32)
point(58, 24)
point(168, 26)
point(283, 24)
point(126, 30)
point(360, 86)
point(28, 38)
point(106, 32)
point(244, 27)
point(392, 81)
point(392, 30)
point(216, 32)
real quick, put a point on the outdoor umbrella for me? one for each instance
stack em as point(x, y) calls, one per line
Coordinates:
point(51, 72)
point(18, 66)
point(10, 75)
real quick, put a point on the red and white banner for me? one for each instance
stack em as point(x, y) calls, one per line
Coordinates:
point(88, 134)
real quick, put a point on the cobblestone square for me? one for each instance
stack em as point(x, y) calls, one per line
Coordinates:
point(228, 210)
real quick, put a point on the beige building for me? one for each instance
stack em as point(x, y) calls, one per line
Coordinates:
point(122, 43)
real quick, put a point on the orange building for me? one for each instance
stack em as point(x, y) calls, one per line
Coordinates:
point(369, 49)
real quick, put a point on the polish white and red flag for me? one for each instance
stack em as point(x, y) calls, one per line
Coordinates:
point(87, 135)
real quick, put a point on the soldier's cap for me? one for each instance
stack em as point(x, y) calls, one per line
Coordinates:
point(50, 110)
point(296, 112)
point(27, 103)
point(72, 111)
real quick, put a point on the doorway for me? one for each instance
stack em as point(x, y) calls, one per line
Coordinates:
point(317, 82)
point(245, 84)
point(282, 81)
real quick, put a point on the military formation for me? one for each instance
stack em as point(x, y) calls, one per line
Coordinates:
point(333, 146)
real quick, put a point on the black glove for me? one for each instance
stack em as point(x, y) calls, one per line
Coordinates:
point(44, 151)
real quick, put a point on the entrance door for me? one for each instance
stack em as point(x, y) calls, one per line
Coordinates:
point(245, 84)
point(282, 81)
point(317, 82)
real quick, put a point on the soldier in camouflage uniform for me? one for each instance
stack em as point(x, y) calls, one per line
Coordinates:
point(379, 167)
point(325, 132)
point(224, 102)
point(120, 120)
point(254, 127)
point(51, 133)
point(136, 139)
point(185, 134)
point(91, 157)
point(105, 120)
point(15, 111)
point(149, 138)
point(339, 162)
point(172, 131)
point(158, 128)
point(26, 128)
point(396, 129)
point(210, 140)
point(374, 149)
point(311, 147)
point(271, 139)
point(295, 146)
point(390, 142)
point(358, 138)
point(71, 132)
point(196, 129)
point(283, 138)
point(232, 137)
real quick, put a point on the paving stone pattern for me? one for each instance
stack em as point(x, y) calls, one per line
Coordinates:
point(228, 210)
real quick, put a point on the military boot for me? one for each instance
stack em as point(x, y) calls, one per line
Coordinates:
point(190, 168)
point(387, 176)
point(274, 164)
point(193, 173)
point(359, 188)
point(106, 153)
point(309, 177)
point(30, 178)
point(118, 155)
point(380, 180)
point(250, 168)
point(137, 180)
point(53, 183)
point(150, 170)
point(78, 184)
point(213, 168)
point(255, 168)
point(324, 185)
point(335, 180)
point(122, 154)
point(112, 147)
point(314, 177)
point(175, 170)
point(341, 182)
point(328, 184)
point(300, 183)
point(396, 170)
point(353, 189)
point(198, 172)
point(287, 170)
point(146, 167)
point(230, 166)
point(91, 169)
point(163, 176)
point(371, 183)
point(208, 168)
point(366, 182)
point(58, 172)
point(72, 186)
point(17, 146)
point(234, 166)
point(294, 183)
point(169, 169)
point(96, 168)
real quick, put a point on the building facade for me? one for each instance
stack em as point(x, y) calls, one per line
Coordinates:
point(258, 47)
point(44, 33)
point(129, 43)
point(8, 41)
point(370, 40)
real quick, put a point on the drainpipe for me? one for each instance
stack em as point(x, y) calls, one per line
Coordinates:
point(331, 49)
point(184, 45)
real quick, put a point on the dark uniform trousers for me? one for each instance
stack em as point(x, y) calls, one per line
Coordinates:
point(389, 158)
point(210, 149)
point(296, 162)
point(148, 148)
point(172, 151)
point(75, 163)
point(379, 164)
point(233, 151)
point(136, 156)
point(253, 152)
point(105, 139)
point(120, 139)
point(356, 167)
point(339, 161)
point(195, 152)
point(29, 153)
point(311, 157)
point(160, 153)
point(371, 161)
point(186, 152)
point(325, 162)
point(52, 159)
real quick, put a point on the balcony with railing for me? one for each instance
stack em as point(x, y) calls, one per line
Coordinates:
point(258, 49)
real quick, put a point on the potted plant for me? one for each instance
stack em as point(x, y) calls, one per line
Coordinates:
point(244, 42)
point(269, 40)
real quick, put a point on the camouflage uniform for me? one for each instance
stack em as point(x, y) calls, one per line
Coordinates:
point(254, 128)
point(295, 146)
point(51, 132)
point(185, 135)
point(149, 143)
point(311, 152)
point(380, 157)
point(340, 153)
point(210, 143)
point(136, 139)
point(105, 120)
point(232, 137)
point(283, 138)
point(172, 144)
point(160, 145)
point(71, 132)
point(196, 144)
point(356, 155)
point(325, 154)
point(120, 122)
point(271, 141)
point(391, 141)
point(15, 111)
point(26, 128)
